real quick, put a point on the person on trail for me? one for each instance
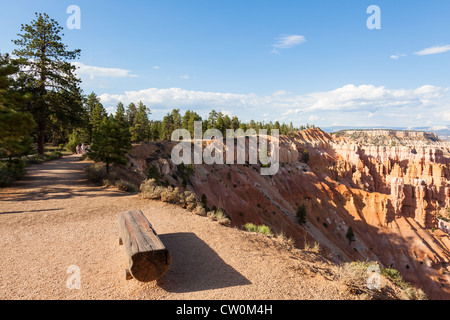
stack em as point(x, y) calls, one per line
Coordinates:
point(78, 149)
point(83, 149)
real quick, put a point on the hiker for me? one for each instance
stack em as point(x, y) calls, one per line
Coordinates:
point(83, 149)
point(78, 149)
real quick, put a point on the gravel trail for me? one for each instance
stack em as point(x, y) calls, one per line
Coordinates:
point(53, 219)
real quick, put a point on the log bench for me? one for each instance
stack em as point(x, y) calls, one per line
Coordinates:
point(148, 258)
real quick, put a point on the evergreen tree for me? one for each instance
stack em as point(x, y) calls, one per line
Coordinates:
point(301, 214)
point(47, 73)
point(212, 119)
point(120, 113)
point(110, 144)
point(15, 127)
point(155, 130)
point(97, 115)
point(188, 121)
point(235, 123)
point(350, 235)
point(140, 131)
point(176, 119)
point(220, 125)
point(131, 113)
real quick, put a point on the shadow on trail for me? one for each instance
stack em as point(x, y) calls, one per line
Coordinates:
point(195, 266)
point(56, 180)
point(31, 211)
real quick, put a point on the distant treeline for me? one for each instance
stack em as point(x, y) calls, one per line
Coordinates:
point(136, 117)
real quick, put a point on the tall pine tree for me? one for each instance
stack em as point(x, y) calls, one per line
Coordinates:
point(46, 72)
point(15, 127)
point(140, 131)
point(110, 143)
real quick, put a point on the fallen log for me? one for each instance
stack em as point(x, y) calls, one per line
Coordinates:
point(148, 258)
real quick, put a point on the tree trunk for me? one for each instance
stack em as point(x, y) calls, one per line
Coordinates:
point(107, 168)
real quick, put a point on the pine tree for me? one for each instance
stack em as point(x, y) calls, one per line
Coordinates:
point(131, 113)
point(15, 127)
point(301, 214)
point(212, 119)
point(140, 131)
point(97, 116)
point(47, 73)
point(235, 123)
point(120, 112)
point(350, 235)
point(110, 144)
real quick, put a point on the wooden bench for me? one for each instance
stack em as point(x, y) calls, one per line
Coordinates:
point(148, 258)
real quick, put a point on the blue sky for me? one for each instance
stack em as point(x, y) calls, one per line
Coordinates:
point(301, 61)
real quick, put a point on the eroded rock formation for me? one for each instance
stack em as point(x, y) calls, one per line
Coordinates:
point(390, 195)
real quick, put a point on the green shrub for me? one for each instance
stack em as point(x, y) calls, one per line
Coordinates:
point(124, 185)
point(96, 172)
point(153, 173)
point(36, 159)
point(263, 229)
point(305, 156)
point(251, 227)
point(10, 171)
point(55, 155)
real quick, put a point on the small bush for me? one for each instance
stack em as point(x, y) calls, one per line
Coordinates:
point(263, 229)
point(305, 156)
point(10, 171)
point(153, 173)
point(55, 155)
point(250, 227)
point(220, 216)
point(171, 195)
point(124, 185)
point(96, 172)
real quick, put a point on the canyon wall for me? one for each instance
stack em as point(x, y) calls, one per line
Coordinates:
point(390, 196)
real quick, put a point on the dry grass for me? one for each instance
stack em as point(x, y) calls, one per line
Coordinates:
point(312, 248)
point(188, 200)
point(356, 277)
point(220, 216)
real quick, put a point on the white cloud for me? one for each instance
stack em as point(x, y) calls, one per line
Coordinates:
point(93, 71)
point(398, 55)
point(436, 128)
point(156, 67)
point(433, 50)
point(287, 41)
point(362, 105)
point(185, 77)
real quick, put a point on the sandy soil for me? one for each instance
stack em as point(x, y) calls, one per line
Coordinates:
point(54, 218)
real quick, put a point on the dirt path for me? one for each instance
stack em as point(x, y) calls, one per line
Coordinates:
point(53, 219)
